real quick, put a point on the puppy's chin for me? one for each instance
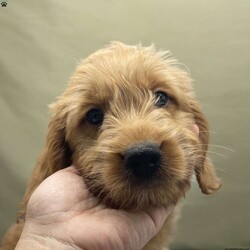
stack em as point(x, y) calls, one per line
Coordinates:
point(132, 193)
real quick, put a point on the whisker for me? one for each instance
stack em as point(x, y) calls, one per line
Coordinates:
point(212, 152)
point(219, 146)
point(223, 156)
point(210, 131)
point(222, 170)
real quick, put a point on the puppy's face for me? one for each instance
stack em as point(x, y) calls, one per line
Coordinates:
point(131, 122)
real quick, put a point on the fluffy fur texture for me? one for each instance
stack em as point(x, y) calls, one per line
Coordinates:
point(121, 81)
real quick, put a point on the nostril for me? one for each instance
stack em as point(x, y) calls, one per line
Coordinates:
point(121, 156)
point(154, 159)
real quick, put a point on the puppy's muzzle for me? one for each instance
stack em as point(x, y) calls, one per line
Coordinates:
point(143, 159)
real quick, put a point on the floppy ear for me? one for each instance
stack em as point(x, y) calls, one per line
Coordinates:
point(55, 156)
point(204, 169)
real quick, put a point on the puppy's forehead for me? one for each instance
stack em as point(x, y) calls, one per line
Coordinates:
point(129, 71)
point(125, 69)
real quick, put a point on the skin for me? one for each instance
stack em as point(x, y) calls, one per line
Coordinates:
point(63, 214)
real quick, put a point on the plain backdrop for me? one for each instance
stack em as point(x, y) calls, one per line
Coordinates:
point(42, 41)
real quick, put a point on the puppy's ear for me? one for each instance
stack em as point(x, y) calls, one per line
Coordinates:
point(55, 156)
point(204, 169)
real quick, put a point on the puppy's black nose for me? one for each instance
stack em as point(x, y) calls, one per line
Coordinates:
point(143, 159)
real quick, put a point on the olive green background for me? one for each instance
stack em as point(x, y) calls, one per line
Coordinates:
point(42, 41)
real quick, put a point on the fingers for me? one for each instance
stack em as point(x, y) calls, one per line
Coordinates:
point(71, 169)
point(196, 129)
point(158, 215)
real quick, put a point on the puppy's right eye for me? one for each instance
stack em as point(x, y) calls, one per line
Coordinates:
point(95, 116)
point(162, 99)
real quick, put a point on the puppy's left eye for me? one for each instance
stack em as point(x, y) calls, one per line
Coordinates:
point(162, 98)
point(95, 116)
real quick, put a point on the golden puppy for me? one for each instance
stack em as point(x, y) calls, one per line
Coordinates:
point(130, 123)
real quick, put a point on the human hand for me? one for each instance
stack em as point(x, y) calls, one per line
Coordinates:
point(63, 214)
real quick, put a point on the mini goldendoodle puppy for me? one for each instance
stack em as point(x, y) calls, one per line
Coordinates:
point(130, 123)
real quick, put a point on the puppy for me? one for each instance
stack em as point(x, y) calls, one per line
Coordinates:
point(130, 123)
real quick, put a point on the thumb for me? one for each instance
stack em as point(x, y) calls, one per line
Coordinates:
point(158, 215)
point(149, 222)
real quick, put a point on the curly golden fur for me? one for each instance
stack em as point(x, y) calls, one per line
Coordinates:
point(121, 81)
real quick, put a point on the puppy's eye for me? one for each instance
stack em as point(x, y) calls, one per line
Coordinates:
point(162, 99)
point(95, 116)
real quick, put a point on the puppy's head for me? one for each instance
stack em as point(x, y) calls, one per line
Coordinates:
point(133, 128)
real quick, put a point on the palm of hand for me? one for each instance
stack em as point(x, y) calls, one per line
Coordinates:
point(62, 208)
